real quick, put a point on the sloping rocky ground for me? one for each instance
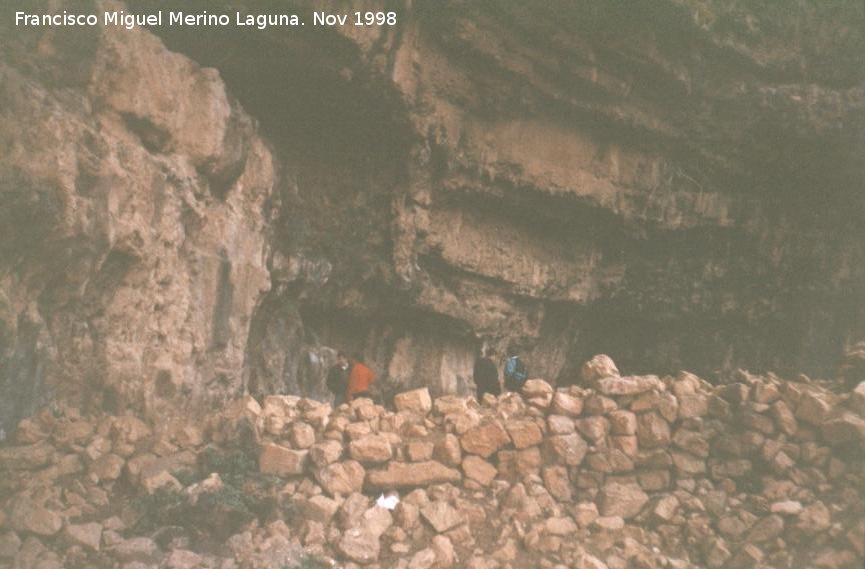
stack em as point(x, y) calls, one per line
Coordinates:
point(620, 472)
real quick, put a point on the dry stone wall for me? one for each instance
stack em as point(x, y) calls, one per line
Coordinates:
point(620, 472)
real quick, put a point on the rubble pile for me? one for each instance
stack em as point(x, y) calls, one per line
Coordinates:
point(618, 472)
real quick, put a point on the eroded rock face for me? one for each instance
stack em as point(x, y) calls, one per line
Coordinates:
point(573, 206)
point(136, 197)
point(466, 179)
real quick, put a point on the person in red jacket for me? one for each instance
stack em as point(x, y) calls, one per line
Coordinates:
point(360, 379)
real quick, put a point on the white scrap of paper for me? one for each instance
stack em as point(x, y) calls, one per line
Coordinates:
point(388, 502)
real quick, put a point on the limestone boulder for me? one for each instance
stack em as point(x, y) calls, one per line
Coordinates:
point(326, 452)
point(447, 450)
point(282, 461)
point(88, 535)
point(517, 464)
point(360, 545)
point(25, 457)
point(623, 500)
point(599, 367)
point(415, 401)
point(630, 385)
point(477, 469)
point(566, 404)
point(560, 425)
point(341, 478)
point(845, 428)
point(623, 422)
point(557, 482)
point(813, 408)
point(538, 392)
point(371, 449)
point(302, 435)
point(408, 475)
point(319, 508)
point(137, 549)
point(418, 451)
point(567, 449)
point(857, 399)
point(485, 439)
point(524, 433)
point(652, 430)
point(784, 417)
point(444, 551)
point(442, 516)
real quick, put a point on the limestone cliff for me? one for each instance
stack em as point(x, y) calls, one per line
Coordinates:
point(677, 183)
point(137, 197)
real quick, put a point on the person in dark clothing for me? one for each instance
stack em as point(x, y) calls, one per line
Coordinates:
point(486, 375)
point(337, 379)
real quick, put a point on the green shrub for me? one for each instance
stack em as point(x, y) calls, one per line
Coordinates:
point(164, 507)
point(246, 494)
point(245, 487)
point(233, 465)
point(187, 476)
